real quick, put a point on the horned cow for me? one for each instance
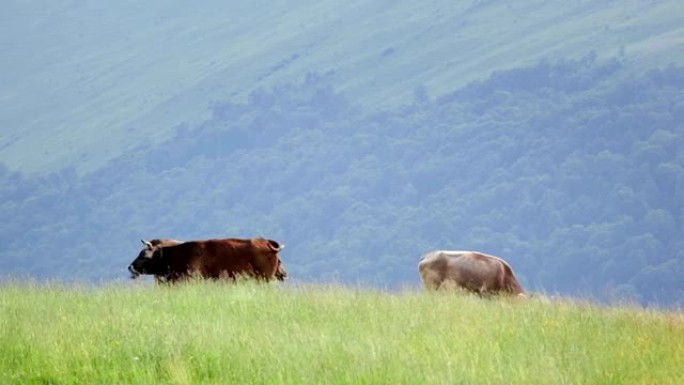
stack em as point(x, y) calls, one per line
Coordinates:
point(152, 245)
point(214, 258)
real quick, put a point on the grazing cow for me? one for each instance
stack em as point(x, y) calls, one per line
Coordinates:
point(150, 246)
point(214, 258)
point(469, 270)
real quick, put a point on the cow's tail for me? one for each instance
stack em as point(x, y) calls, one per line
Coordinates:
point(275, 246)
point(511, 283)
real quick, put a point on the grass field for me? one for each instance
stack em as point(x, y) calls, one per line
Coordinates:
point(212, 333)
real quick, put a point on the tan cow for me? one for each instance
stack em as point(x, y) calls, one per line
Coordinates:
point(469, 270)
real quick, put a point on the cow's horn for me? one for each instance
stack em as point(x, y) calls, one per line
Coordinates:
point(276, 246)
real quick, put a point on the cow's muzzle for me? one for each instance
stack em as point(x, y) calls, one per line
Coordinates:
point(134, 273)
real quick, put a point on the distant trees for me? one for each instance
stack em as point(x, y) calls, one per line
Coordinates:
point(571, 173)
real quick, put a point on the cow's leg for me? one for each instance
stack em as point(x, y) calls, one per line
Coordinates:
point(162, 280)
point(449, 285)
point(227, 276)
point(264, 266)
point(431, 285)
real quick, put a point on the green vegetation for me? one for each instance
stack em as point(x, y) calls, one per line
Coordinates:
point(82, 82)
point(572, 175)
point(361, 135)
point(210, 333)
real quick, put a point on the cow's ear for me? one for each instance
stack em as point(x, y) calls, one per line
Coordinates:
point(147, 244)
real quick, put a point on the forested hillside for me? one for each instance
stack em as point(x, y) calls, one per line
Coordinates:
point(80, 82)
point(568, 170)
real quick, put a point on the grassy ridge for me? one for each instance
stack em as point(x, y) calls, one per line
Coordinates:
point(210, 333)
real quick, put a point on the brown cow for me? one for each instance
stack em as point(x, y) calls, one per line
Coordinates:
point(469, 270)
point(150, 246)
point(214, 258)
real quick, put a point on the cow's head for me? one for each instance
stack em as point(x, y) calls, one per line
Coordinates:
point(280, 273)
point(146, 262)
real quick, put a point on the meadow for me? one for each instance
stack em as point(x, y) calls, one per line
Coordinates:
point(212, 333)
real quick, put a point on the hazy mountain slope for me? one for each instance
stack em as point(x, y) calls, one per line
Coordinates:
point(82, 82)
point(574, 177)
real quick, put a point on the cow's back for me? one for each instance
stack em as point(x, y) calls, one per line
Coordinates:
point(231, 257)
point(179, 259)
point(164, 242)
point(474, 271)
point(216, 258)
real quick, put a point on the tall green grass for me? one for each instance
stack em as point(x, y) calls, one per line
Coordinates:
point(210, 333)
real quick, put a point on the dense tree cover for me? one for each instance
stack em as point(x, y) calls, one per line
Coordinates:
point(568, 171)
